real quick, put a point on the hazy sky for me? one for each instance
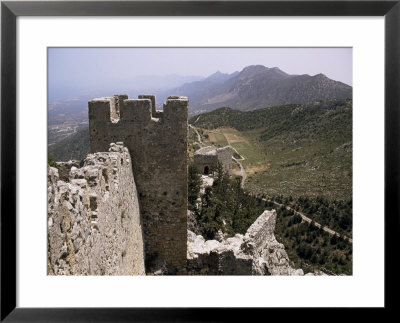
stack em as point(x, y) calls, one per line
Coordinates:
point(84, 67)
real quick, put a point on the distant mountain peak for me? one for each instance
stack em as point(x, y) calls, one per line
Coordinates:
point(279, 71)
point(255, 68)
point(258, 86)
point(320, 75)
point(217, 75)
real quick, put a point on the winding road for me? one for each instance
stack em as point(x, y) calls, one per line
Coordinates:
point(197, 133)
point(242, 171)
point(308, 220)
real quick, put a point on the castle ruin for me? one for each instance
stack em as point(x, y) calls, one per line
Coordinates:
point(124, 212)
point(207, 159)
point(157, 142)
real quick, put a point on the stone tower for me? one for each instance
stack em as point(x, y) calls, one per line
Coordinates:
point(207, 158)
point(157, 141)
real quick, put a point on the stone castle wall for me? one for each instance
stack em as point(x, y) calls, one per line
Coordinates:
point(157, 141)
point(94, 225)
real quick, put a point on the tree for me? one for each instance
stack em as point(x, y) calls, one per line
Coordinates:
point(345, 221)
point(296, 219)
point(194, 183)
point(334, 239)
point(51, 160)
point(226, 206)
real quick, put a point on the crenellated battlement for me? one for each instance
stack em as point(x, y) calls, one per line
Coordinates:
point(175, 106)
point(154, 112)
point(142, 110)
point(137, 111)
point(157, 142)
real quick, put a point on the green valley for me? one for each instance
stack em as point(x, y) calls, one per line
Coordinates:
point(292, 150)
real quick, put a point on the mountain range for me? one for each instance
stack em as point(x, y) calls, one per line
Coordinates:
point(257, 86)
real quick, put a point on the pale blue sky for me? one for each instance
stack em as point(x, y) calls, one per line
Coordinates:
point(90, 69)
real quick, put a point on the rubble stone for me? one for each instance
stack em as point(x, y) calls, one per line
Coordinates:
point(255, 253)
point(93, 228)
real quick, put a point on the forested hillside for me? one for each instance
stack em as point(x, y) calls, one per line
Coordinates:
point(292, 150)
point(75, 146)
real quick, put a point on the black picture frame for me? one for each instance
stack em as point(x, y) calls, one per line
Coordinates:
point(10, 10)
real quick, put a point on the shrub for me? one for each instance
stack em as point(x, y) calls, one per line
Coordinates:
point(51, 160)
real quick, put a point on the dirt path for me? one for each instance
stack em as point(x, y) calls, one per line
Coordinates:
point(236, 160)
point(197, 119)
point(197, 133)
point(230, 144)
point(308, 220)
point(241, 156)
point(242, 171)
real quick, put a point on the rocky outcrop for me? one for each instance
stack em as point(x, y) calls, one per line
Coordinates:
point(94, 225)
point(255, 253)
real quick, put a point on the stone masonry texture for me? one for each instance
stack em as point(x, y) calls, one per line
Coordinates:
point(208, 157)
point(94, 224)
point(157, 142)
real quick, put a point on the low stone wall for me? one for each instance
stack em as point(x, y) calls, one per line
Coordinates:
point(255, 253)
point(212, 257)
point(261, 233)
point(94, 224)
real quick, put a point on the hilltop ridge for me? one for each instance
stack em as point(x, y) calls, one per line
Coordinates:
point(257, 86)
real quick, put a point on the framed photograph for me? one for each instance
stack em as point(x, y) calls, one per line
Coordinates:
point(189, 155)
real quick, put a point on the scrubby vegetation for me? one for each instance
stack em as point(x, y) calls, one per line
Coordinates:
point(276, 120)
point(194, 183)
point(51, 160)
point(311, 248)
point(75, 146)
point(337, 215)
point(225, 206)
point(297, 150)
